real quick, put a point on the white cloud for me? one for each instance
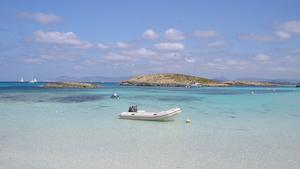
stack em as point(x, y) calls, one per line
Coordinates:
point(259, 38)
point(169, 46)
point(67, 38)
point(215, 44)
point(130, 55)
point(78, 67)
point(41, 18)
point(283, 35)
point(150, 34)
point(140, 52)
point(230, 64)
point(122, 45)
point(291, 26)
point(117, 56)
point(102, 46)
point(287, 29)
point(170, 56)
point(283, 31)
point(206, 34)
point(279, 69)
point(190, 60)
point(32, 61)
point(262, 57)
point(85, 45)
point(173, 34)
point(216, 65)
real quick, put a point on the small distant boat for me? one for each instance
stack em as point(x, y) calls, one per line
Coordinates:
point(33, 81)
point(134, 114)
point(196, 85)
point(22, 80)
point(115, 96)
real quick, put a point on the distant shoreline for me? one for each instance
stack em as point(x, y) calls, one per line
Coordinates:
point(182, 80)
point(130, 83)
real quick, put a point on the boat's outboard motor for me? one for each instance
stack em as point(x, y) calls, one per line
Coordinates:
point(135, 108)
point(132, 109)
point(115, 96)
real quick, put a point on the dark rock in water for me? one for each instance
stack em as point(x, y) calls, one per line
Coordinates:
point(76, 98)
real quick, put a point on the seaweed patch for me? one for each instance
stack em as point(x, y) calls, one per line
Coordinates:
point(76, 98)
point(179, 98)
point(142, 97)
point(13, 98)
point(233, 117)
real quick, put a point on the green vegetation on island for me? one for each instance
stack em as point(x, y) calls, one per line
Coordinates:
point(168, 79)
point(181, 80)
point(70, 85)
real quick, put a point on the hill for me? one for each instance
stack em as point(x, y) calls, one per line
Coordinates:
point(169, 79)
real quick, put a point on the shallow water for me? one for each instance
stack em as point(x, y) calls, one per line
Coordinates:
point(79, 128)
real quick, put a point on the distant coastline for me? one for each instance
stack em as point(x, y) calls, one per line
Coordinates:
point(70, 85)
point(164, 80)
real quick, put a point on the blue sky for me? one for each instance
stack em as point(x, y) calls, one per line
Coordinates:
point(231, 39)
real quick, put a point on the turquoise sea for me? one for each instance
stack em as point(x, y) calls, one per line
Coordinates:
point(231, 128)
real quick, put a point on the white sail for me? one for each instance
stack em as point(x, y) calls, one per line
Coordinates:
point(33, 81)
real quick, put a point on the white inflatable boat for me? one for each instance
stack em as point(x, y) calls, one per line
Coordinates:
point(143, 115)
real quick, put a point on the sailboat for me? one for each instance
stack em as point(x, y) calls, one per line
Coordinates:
point(33, 81)
point(22, 80)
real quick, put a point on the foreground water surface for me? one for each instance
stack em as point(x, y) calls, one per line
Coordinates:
point(79, 128)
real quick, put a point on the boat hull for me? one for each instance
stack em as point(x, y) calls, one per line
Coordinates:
point(151, 116)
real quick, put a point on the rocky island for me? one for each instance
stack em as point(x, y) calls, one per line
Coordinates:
point(181, 80)
point(70, 85)
point(171, 80)
point(248, 83)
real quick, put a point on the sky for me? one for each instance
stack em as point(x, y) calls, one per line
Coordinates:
point(213, 38)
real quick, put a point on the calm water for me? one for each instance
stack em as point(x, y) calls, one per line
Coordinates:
point(79, 128)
